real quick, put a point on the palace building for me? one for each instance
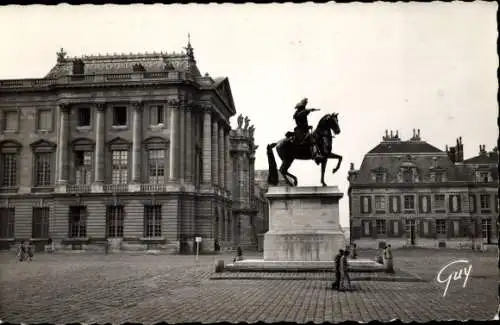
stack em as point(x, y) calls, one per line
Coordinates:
point(132, 151)
point(410, 193)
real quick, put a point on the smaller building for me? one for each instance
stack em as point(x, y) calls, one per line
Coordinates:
point(410, 193)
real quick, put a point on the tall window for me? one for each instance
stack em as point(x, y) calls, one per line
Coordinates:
point(379, 177)
point(84, 116)
point(119, 116)
point(120, 167)
point(365, 204)
point(83, 166)
point(44, 120)
point(486, 229)
point(114, 221)
point(7, 221)
point(409, 202)
point(439, 202)
point(380, 225)
point(379, 202)
point(11, 121)
point(441, 226)
point(366, 228)
point(396, 227)
point(485, 201)
point(77, 222)
point(152, 221)
point(156, 115)
point(9, 169)
point(407, 175)
point(156, 163)
point(40, 222)
point(43, 168)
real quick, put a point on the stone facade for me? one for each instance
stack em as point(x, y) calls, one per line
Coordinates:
point(135, 151)
point(410, 193)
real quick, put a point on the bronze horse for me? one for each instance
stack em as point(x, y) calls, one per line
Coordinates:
point(289, 151)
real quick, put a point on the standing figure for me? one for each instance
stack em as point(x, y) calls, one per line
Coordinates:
point(338, 275)
point(344, 272)
point(21, 252)
point(31, 250)
point(302, 132)
point(247, 122)
point(240, 121)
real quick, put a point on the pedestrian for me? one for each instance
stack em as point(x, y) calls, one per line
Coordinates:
point(21, 252)
point(31, 250)
point(336, 283)
point(344, 272)
point(50, 247)
point(354, 253)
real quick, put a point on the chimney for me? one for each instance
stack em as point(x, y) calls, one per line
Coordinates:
point(452, 154)
point(392, 135)
point(418, 134)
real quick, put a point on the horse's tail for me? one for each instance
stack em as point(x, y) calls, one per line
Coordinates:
point(272, 178)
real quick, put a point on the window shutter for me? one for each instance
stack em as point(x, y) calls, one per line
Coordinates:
point(459, 203)
point(421, 224)
point(420, 204)
point(390, 228)
point(401, 228)
point(432, 229)
point(369, 204)
point(472, 203)
point(372, 230)
point(449, 228)
point(398, 200)
point(463, 228)
point(361, 204)
point(450, 203)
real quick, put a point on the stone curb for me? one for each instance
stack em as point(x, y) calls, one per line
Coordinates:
point(305, 278)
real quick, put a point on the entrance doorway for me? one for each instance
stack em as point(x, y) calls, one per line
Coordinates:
point(411, 229)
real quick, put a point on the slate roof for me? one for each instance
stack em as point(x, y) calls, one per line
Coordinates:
point(392, 155)
point(491, 158)
point(404, 147)
point(123, 63)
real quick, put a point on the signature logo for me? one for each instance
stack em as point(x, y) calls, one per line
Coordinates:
point(453, 272)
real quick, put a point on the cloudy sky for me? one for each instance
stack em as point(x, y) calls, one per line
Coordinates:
point(380, 66)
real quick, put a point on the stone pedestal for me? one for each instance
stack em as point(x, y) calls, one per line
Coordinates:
point(303, 224)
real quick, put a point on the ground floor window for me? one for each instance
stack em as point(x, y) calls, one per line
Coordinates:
point(440, 226)
point(366, 228)
point(380, 225)
point(486, 230)
point(152, 221)
point(40, 222)
point(7, 221)
point(395, 227)
point(77, 222)
point(114, 221)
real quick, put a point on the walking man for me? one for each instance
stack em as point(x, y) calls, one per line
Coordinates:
point(335, 285)
point(344, 272)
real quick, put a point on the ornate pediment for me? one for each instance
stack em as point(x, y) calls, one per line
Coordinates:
point(10, 144)
point(82, 144)
point(156, 143)
point(119, 144)
point(224, 91)
point(43, 144)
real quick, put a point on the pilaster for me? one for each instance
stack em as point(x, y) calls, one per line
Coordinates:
point(207, 146)
point(99, 148)
point(63, 153)
point(227, 162)
point(215, 152)
point(173, 106)
point(182, 143)
point(136, 142)
point(222, 156)
point(188, 167)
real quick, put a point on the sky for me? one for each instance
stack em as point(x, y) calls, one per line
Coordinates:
point(397, 66)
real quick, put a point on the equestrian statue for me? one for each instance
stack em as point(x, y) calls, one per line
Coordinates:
point(303, 144)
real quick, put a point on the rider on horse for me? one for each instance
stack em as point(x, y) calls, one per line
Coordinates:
point(302, 130)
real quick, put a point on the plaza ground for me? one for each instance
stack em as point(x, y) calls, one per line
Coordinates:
point(64, 288)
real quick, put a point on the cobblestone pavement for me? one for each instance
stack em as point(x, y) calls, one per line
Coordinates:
point(150, 289)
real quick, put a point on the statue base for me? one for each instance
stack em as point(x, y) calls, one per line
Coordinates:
point(303, 224)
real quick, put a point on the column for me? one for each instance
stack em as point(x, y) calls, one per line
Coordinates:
point(227, 162)
point(182, 143)
point(215, 152)
point(173, 106)
point(243, 177)
point(136, 142)
point(220, 225)
point(207, 147)
point(188, 167)
point(99, 144)
point(221, 156)
point(63, 157)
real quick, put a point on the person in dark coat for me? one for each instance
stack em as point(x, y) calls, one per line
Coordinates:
point(335, 285)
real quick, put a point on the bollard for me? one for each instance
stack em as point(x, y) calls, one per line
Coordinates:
point(219, 266)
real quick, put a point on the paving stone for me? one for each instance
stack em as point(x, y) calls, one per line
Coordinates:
point(149, 289)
